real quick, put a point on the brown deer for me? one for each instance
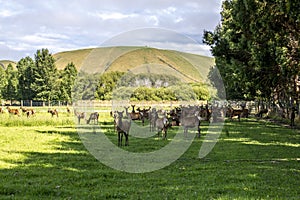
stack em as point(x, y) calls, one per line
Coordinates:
point(28, 111)
point(261, 112)
point(135, 115)
point(13, 111)
point(53, 112)
point(234, 113)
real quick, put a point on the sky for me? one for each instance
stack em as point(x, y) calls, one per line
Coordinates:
point(62, 25)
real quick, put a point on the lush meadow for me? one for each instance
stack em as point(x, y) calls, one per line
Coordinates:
point(43, 158)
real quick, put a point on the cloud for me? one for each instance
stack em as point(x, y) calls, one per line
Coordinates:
point(112, 15)
point(65, 25)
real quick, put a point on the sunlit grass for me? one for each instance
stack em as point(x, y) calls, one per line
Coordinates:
point(251, 160)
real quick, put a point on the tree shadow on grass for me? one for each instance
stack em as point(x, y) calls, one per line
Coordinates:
point(236, 168)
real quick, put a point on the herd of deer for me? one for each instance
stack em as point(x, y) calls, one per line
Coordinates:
point(188, 117)
point(159, 120)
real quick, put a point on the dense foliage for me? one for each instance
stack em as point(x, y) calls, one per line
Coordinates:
point(256, 48)
point(39, 79)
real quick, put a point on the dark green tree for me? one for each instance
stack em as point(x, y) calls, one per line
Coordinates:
point(10, 91)
point(107, 82)
point(68, 77)
point(25, 69)
point(3, 81)
point(45, 76)
point(256, 48)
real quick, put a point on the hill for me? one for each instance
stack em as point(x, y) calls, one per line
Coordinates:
point(188, 67)
point(5, 63)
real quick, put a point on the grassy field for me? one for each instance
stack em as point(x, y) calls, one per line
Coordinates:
point(44, 158)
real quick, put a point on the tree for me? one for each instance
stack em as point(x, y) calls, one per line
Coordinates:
point(68, 77)
point(3, 81)
point(107, 82)
point(45, 76)
point(25, 69)
point(10, 91)
point(256, 48)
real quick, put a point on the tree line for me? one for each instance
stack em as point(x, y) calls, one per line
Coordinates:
point(256, 50)
point(39, 79)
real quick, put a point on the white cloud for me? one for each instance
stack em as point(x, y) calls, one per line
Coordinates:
point(65, 25)
point(112, 15)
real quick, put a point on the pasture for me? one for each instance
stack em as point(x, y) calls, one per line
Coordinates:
point(43, 158)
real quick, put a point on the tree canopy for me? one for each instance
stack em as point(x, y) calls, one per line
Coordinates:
point(256, 48)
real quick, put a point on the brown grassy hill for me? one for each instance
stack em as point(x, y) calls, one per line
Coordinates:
point(188, 67)
point(5, 63)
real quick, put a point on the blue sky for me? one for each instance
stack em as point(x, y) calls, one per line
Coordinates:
point(62, 25)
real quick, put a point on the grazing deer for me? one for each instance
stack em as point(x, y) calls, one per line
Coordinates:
point(53, 112)
point(13, 111)
point(28, 111)
point(123, 127)
point(93, 117)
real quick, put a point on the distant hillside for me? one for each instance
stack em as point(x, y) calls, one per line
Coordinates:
point(188, 67)
point(5, 63)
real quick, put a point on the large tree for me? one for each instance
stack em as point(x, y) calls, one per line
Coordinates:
point(256, 47)
point(45, 76)
point(2, 81)
point(25, 69)
point(68, 77)
point(10, 91)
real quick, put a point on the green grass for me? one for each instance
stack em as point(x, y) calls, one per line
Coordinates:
point(252, 160)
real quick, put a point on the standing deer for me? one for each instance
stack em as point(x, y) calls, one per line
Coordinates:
point(80, 115)
point(123, 127)
point(135, 115)
point(162, 125)
point(190, 119)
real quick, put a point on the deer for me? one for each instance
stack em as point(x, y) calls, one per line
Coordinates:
point(13, 111)
point(123, 127)
point(53, 112)
point(135, 115)
point(190, 119)
point(80, 115)
point(261, 112)
point(234, 113)
point(93, 117)
point(162, 124)
point(28, 111)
